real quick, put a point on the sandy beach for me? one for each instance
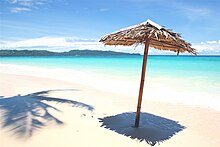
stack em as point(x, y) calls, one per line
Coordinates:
point(37, 111)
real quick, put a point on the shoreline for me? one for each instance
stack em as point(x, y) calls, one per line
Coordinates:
point(122, 86)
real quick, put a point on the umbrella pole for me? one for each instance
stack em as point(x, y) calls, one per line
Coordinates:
point(142, 83)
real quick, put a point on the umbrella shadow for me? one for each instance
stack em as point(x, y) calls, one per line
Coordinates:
point(153, 129)
point(23, 115)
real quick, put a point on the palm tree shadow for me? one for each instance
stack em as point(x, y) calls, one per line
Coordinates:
point(153, 129)
point(23, 115)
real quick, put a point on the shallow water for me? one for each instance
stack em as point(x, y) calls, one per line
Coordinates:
point(186, 79)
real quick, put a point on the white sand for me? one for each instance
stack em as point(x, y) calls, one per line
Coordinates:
point(41, 119)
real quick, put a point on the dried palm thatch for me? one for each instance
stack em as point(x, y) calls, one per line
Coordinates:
point(159, 38)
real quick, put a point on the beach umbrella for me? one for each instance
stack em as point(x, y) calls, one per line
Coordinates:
point(152, 35)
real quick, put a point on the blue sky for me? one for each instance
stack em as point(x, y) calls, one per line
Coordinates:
point(75, 24)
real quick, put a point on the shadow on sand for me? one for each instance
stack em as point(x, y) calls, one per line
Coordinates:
point(153, 129)
point(23, 115)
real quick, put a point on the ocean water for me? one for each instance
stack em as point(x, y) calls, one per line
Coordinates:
point(185, 79)
point(205, 68)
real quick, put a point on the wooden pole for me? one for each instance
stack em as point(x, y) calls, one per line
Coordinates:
point(142, 83)
point(178, 52)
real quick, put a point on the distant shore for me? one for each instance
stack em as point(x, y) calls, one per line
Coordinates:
point(67, 53)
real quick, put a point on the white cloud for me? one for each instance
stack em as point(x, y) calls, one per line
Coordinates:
point(104, 9)
point(26, 2)
point(19, 9)
point(24, 5)
point(63, 44)
point(12, 1)
point(208, 47)
point(70, 43)
point(212, 42)
point(193, 13)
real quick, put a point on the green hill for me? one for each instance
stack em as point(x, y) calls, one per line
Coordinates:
point(69, 53)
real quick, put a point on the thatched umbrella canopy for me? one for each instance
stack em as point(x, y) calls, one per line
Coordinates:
point(160, 38)
point(150, 34)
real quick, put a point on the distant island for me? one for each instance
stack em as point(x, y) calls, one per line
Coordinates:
point(68, 53)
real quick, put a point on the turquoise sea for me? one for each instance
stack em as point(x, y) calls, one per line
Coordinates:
point(206, 67)
point(196, 75)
